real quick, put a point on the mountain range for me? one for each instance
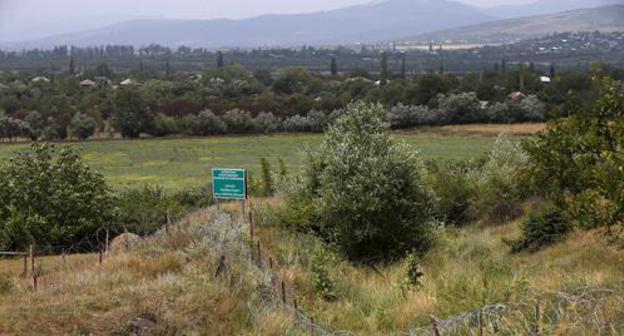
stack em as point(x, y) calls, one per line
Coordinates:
point(605, 19)
point(377, 21)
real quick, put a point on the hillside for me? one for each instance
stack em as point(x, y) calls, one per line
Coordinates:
point(603, 19)
point(376, 21)
point(167, 285)
point(542, 7)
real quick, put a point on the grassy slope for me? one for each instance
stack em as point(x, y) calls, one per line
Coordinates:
point(179, 163)
point(471, 268)
point(169, 280)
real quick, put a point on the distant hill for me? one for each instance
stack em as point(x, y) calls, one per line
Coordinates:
point(376, 21)
point(542, 7)
point(604, 19)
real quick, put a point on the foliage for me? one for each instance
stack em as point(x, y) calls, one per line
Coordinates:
point(323, 284)
point(454, 189)
point(209, 123)
point(413, 273)
point(373, 184)
point(6, 284)
point(82, 126)
point(238, 121)
point(266, 123)
point(541, 229)
point(500, 182)
point(50, 197)
point(578, 162)
point(267, 179)
point(132, 113)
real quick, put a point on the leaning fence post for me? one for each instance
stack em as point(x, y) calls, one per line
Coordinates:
point(296, 308)
point(481, 322)
point(434, 326)
point(259, 254)
point(100, 256)
point(283, 292)
point(34, 281)
point(312, 326)
point(220, 266)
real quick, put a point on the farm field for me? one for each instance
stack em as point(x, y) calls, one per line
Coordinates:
point(175, 164)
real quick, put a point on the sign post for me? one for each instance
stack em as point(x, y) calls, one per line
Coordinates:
point(230, 184)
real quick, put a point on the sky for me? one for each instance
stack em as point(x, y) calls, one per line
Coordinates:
point(25, 19)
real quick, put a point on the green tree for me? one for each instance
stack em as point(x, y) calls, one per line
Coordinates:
point(131, 114)
point(333, 68)
point(220, 62)
point(579, 164)
point(83, 126)
point(383, 63)
point(51, 198)
point(267, 178)
point(368, 189)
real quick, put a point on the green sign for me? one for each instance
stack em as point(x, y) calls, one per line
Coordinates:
point(229, 183)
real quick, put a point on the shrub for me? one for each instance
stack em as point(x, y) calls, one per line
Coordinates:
point(413, 273)
point(238, 121)
point(209, 123)
point(368, 190)
point(500, 182)
point(460, 108)
point(50, 197)
point(317, 121)
point(541, 229)
point(323, 284)
point(267, 179)
point(454, 191)
point(266, 123)
point(297, 123)
point(163, 125)
point(82, 126)
point(405, 116)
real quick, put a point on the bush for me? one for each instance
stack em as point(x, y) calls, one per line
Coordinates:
point(368, 191)
point(541, 229)
point(460, 108)
point(238, 121)
point(266, 123)
point(454, 191)
point(405, 116)
point(6, 284)
point(209, 123)
point(163, 125)
point(413, 273)
point(323, 284)
point(297, 123)
point(82, 126)
point(500, 182)
point(51, 198)
point(317, 121)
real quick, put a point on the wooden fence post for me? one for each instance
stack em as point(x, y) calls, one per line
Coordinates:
point(312, 326)
point(25, 273)
point(220, 266)
point(538, 317)
point(434, 326)
point(296, 308)
point(32, 259)
point(283, 292)
point(34, 281)
point(259, 254)
point(100, 257)
point(480, 322)
point(271, 263)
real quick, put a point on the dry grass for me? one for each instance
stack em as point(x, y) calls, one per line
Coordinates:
point(471, 268)
point(167, 281)
point(483, 130)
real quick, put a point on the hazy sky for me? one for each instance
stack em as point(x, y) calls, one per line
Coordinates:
point(23, 19)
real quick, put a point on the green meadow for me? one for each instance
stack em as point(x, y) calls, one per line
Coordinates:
point(186, 162)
